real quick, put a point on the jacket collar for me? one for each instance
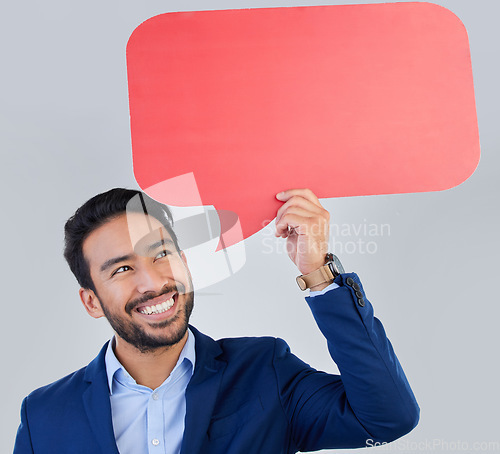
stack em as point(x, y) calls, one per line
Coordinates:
point(97, 404)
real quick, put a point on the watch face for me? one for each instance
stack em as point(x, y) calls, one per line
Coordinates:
point(336, 266)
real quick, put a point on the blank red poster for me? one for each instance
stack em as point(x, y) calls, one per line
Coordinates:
point(230, 107)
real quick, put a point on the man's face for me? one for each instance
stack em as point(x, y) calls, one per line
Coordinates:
point(143, 285)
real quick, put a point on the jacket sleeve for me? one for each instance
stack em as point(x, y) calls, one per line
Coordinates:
point(371, 401)
point(23, 438)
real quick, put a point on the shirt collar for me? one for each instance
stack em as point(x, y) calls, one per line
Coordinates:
point(113, 365)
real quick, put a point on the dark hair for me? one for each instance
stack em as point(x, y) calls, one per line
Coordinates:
point(99, 210)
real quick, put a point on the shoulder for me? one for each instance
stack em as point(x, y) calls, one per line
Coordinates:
point(255, 348)
point(59, 401)
point(67, 388)
point(238, 347)
point(60, 387)
point(255, 355)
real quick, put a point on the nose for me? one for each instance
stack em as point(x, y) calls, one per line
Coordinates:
point(149, 279)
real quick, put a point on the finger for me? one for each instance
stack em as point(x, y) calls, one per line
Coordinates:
point(292, 219)
point(298, 219)
point(318, 215)
point(300, 202)
point(305, 193)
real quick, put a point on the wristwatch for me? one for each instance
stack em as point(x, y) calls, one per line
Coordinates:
point(327, 273)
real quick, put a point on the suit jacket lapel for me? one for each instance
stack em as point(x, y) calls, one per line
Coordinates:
point(201, 393)
point(97, 404)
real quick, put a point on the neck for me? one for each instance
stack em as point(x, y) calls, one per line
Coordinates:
point(152, 368)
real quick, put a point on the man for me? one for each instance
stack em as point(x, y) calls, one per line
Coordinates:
point(161, 386)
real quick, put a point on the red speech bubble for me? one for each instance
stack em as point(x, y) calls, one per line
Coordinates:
point(346, 100)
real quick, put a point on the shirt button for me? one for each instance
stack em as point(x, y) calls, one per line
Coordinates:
point(155, 396)
point(155, 441)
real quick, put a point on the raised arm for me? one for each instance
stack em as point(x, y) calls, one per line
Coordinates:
point(371, 401)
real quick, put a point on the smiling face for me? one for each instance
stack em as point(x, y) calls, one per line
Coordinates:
point(142, 283)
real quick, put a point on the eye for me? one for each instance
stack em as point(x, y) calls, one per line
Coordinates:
point(161, 254)
point(121, 270)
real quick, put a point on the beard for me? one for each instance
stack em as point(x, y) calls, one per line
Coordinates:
point(170, 331)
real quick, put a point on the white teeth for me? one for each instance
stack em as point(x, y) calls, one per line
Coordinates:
point(159, 308)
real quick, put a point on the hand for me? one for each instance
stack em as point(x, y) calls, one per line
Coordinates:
point(305, 224)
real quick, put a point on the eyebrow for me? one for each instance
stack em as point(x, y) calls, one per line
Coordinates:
point(109, 263)
point(162, 242)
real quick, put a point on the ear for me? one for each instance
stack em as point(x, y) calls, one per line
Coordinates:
point(91, 303)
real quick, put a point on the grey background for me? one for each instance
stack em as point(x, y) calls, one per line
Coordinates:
point(65, 136)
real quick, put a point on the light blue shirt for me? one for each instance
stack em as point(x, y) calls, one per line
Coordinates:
point(147, 421)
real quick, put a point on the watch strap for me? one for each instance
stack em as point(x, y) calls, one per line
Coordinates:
point(319, 276)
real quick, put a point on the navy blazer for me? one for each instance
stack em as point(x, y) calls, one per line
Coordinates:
point(251, 395)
